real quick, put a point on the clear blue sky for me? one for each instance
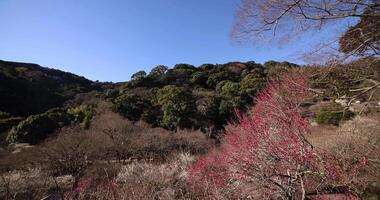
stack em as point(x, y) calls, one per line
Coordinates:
point(108, 40)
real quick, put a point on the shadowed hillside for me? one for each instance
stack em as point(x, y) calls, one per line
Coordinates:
point(27, 89)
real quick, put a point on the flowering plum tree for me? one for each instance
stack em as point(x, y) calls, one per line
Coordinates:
point(265, 154)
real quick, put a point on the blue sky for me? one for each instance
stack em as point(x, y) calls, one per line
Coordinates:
point(108, 40)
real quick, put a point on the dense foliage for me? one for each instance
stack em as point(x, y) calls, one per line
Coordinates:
point(192, 97)
point(37, 127)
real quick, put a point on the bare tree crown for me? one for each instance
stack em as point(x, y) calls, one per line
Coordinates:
point(257, 19)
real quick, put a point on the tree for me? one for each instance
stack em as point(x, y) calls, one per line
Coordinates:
point(265, 154)
point(231, 98)
point(70, 153)
point(363, 39)
point(138, 75)
point(286, 18)
point(289, 18)
point(158, 71)
point(251, 84)
point(130, 106)
point(217, 77)
point(199, 78)
point(177, 104)
point(276, 69)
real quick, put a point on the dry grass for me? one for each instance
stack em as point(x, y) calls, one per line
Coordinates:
point(350, 143)
point(29, 184)
point(139, 181)
point(150, 181)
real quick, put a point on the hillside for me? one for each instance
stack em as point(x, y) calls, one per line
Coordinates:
point(184, 96)
point(27, 89)
point(36, 101)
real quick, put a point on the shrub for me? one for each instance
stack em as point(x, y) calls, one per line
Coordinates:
point(37, 127)
point(333, 114)
point(81, 114)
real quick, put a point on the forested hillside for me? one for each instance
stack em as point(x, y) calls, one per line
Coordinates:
point(36, 101)
point(184, 96)
point(27, 89)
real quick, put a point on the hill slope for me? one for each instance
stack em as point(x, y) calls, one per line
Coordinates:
point(27, 89)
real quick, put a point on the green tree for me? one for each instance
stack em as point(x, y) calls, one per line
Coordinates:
point(207, 67)
point(231, 99)
point(275, 69)
point(130, 106)
point(138, 75)
point(251, 84)
point(158, 71)
point(230, 89)
point(199, 78)
point(215, 78)
point(227, 107)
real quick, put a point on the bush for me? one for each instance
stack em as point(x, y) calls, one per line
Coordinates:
point(37, 127)
point(333, 114)
point(81, 114)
